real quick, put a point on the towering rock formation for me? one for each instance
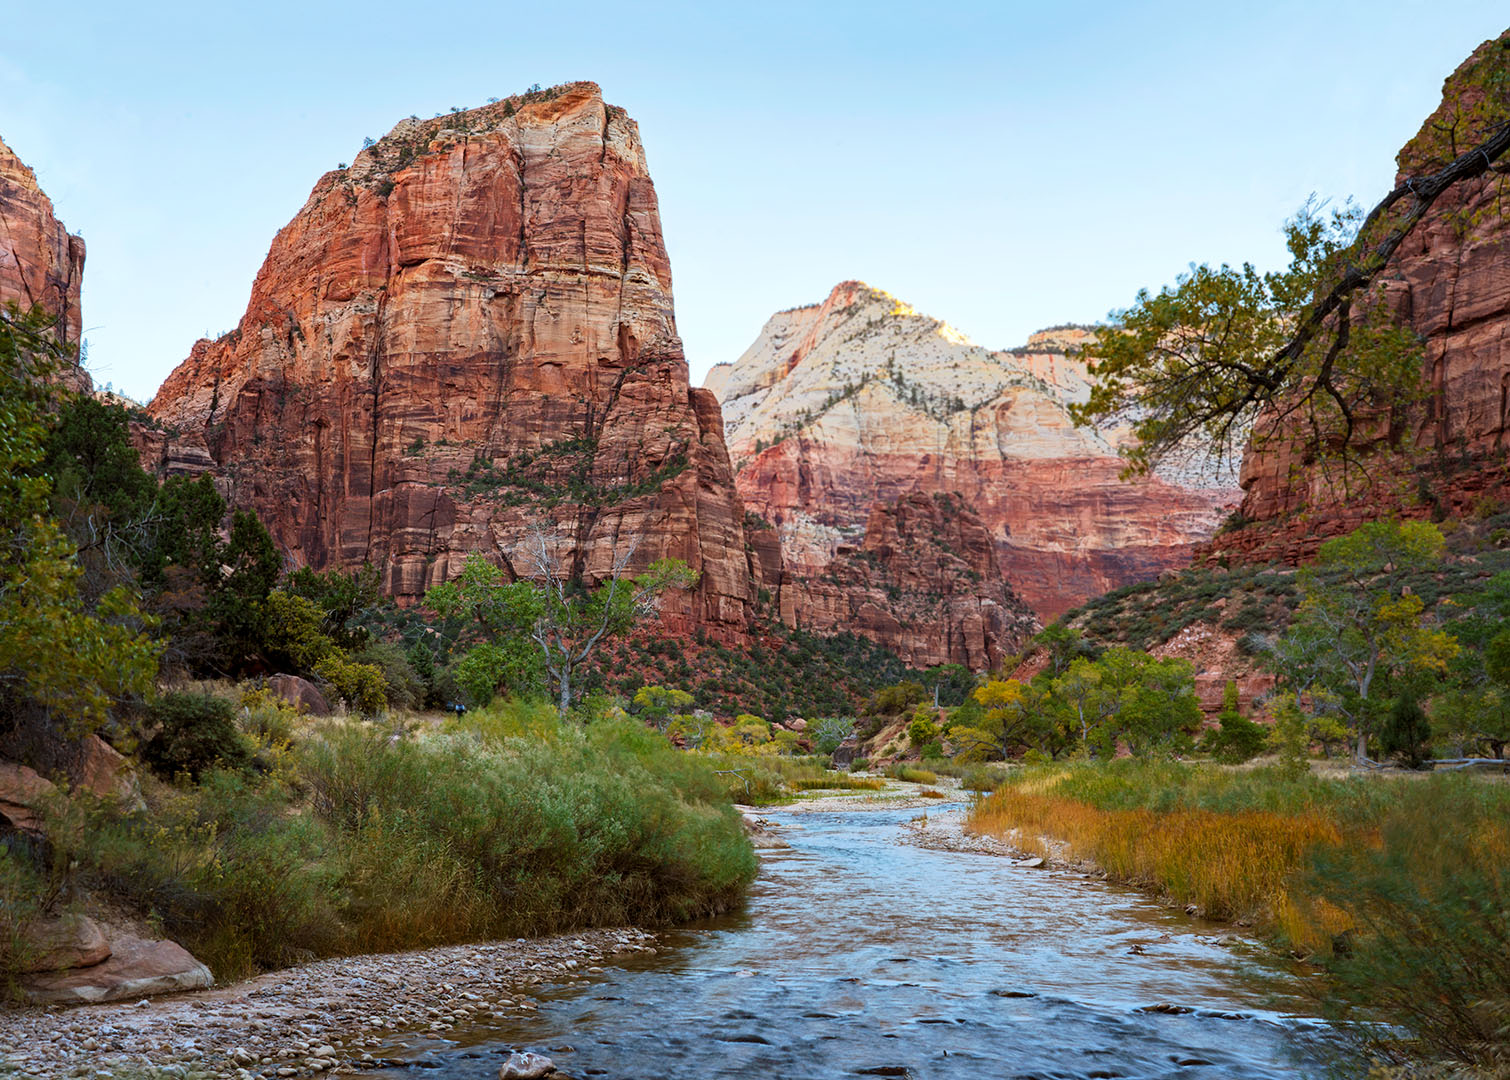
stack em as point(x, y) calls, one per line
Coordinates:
point(858, 401)
point(40, 262)
point(1450, 282)
point(468, 332)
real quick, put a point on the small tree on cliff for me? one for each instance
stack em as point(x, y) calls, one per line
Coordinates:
point(1308, 353)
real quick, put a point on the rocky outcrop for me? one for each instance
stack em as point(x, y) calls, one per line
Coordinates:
point(40, 262)
point(467, 332)
point(1449, 282)
point(924, 582)
point(860, 400)
point(134, 968)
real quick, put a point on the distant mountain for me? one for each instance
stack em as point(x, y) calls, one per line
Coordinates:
point(861, 400)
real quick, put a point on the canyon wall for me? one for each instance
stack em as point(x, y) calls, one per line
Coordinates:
point(1450, 282)
point(40, 262)
point(860, 400)
point(466, 334)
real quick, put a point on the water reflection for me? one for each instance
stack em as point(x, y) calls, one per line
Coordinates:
point(860, 956)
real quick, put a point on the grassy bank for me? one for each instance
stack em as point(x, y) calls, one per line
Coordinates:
point(351, 839)
point(1398, 887)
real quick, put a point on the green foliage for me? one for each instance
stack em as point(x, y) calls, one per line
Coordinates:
point(827, 732)
point(1360, 632)
point(1406, 732)
point(896, 699)
point(193, 734)
point(64, 660)
point(1426, 971)
point(361, 686)
point(510, 823)
point(923, 728)
point(402, 686)
point(1237, 739)
point(911, 774)
point(657, 705)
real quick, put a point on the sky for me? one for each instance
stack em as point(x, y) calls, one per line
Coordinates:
point(1003, 166)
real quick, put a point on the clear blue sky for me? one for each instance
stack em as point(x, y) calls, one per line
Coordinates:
point(1004, 166)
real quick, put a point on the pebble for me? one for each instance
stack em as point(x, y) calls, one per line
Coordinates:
point(292, 1022)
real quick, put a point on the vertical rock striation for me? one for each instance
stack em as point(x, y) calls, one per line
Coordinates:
point(40, 262)
point(1450, 282)
point(468, 332)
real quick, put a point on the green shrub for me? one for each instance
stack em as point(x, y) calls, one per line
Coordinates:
point(361, 686)
point(403, 687)
point(364, 842)
point(911, 774)
point(860, 764)
point(194, 733)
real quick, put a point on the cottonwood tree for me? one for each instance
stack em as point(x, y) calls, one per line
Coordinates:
point(1359, 628)
point(1309, 354)
point(573, 620)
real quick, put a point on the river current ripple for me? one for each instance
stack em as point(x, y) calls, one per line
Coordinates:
point(861, 956)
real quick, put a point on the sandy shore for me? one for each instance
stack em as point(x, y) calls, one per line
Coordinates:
point(306, 1020)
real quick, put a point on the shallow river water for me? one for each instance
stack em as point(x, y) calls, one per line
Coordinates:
point(861, 956)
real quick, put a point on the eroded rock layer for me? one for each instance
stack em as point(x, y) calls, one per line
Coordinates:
point(860, 400)
point(1450, 282)
point(924, 582)
point(468, 332)
point(40, 262)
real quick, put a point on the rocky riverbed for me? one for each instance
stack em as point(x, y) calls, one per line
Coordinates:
point(327, 1016)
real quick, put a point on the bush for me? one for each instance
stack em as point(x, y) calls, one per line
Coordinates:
point(365, 843)
point(403, 687)
point(1406, 732)
point(911, 774)
point(194, 733)
point(860, 764)
point(361, 686)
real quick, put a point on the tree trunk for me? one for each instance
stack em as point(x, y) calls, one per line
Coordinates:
point(1360, 754)
point(565, 689)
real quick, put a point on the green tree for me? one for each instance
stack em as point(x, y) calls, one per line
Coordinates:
point(64, 661)
point(1085, 697)
point(1012, 718)
point(1406, 732)
point(1238, 738)
point(1154, 706)
point(480, 601)
point(575, 618)
point(659, 705)
point(1358, 629)
point(1299, 354)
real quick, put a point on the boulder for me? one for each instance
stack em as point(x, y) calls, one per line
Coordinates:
point(300, 693)
point(21, 794)
point(106, 773)
point(68, 941)
point(526, 1066)
point(136, 968)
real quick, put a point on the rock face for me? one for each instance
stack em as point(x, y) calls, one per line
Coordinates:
point(1450, 282)
point(924, 583)
point(467, 332)
point(860, 400)
point(40, 263)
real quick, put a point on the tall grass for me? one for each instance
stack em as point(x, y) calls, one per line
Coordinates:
point(911, 774)
point(509, 823)
point(1401, 888)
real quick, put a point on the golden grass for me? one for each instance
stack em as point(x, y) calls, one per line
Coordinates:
point(835, 782)
point(1232, 866)
point(931, 793)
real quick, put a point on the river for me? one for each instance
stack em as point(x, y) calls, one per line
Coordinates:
point(861, 956)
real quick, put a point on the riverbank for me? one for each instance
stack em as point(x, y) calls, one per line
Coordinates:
point(326, 1016)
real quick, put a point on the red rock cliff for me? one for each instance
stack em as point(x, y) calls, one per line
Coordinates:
point(924, 583)
point(467, 331)
point(40, 262)
point(1450, 282)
